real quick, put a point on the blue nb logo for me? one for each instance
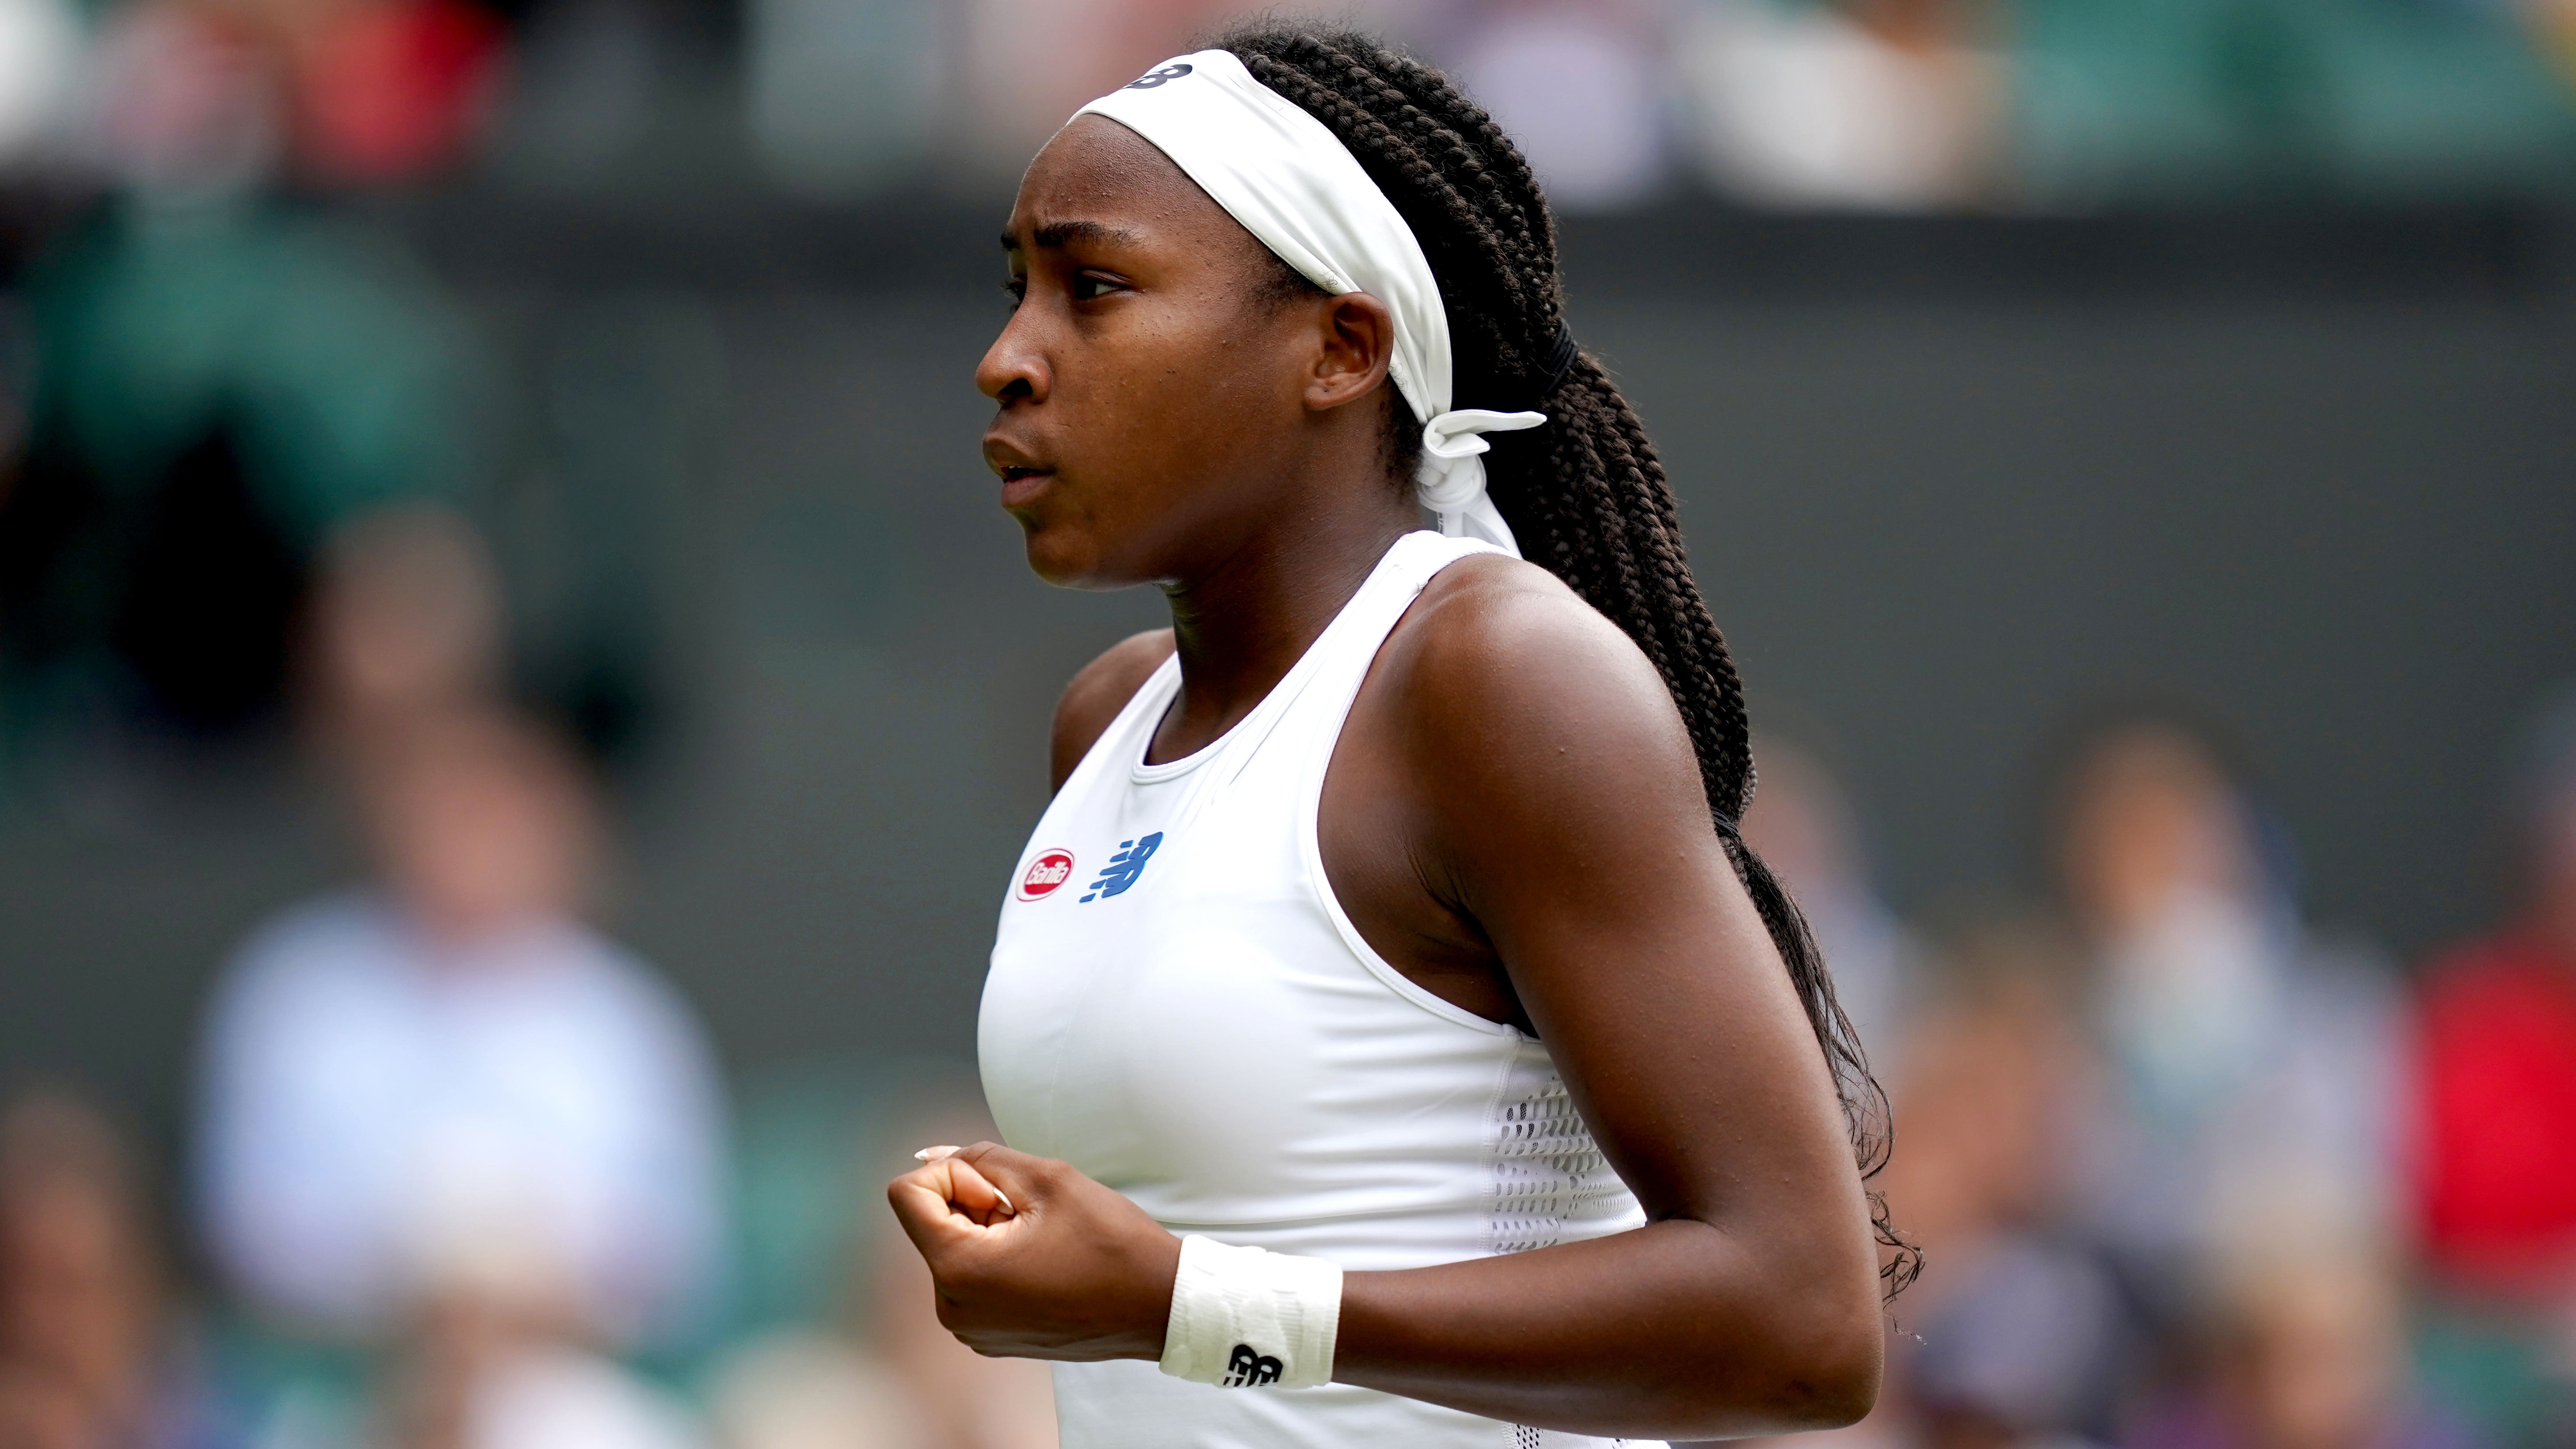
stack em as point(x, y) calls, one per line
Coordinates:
point(1125, 866)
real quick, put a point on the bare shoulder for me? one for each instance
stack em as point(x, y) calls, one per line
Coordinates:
point(1096, 695)
point(1507, 673)
point(1501, 631)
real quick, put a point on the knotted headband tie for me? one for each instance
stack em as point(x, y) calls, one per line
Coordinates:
point(1292, 183)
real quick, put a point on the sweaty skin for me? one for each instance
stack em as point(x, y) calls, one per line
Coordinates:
point(1513, 817)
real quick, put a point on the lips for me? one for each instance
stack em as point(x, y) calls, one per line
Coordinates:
point(1019, 484)
point(1023, 476)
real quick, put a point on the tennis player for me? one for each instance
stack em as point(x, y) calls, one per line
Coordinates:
point(1396, 1043)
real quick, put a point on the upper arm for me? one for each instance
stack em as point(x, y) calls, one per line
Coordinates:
point(1096, 695)
point(1564, 814)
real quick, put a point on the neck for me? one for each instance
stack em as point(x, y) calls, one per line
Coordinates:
point(1244, 623)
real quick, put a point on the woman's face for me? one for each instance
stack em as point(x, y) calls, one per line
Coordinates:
point(1159, 396)
point(2150, 817)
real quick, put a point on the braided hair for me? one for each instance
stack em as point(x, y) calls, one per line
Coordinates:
point(1585, 496)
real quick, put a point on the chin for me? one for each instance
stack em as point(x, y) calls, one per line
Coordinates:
point(1064, 556)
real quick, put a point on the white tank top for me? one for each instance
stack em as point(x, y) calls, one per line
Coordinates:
point(1179, 1007)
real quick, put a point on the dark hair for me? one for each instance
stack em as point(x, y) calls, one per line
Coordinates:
point(1585, 495)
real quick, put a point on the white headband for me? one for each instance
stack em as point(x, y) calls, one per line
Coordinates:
point(1293, 184)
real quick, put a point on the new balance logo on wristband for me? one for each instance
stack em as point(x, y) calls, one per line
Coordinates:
point(1125, 866)
point(1226, 1298)
point(1249, 1370)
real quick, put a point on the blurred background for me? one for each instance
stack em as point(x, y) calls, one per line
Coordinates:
point(516, 700)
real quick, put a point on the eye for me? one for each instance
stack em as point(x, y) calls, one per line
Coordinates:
point(1091, 286)
point(1018, 288)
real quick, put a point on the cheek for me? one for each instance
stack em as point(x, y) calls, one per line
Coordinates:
point(1154, 423)
point(1195, 370)
point(1159, 409)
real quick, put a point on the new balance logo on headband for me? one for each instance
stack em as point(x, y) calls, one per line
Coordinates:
point(1153, 78)
point(1125, 866)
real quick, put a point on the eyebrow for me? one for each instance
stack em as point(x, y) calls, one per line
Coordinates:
point(1057, 234)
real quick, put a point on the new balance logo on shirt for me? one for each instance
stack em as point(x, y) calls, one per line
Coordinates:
point(1125, 866)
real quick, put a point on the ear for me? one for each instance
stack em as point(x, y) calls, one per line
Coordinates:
point(1357, 333)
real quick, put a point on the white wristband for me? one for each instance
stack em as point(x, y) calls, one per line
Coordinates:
point(1242, 1317)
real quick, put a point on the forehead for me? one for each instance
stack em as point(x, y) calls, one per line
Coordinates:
point(1097, 171)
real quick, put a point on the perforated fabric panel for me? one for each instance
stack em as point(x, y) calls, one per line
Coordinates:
point(1547, 1170)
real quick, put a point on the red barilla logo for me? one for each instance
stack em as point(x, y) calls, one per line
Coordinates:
point(1051, 869)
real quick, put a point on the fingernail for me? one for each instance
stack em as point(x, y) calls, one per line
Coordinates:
point(933, 1154)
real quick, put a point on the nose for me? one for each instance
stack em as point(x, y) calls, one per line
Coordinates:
point(1014, 368)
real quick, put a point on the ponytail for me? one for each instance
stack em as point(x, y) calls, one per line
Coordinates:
point(1585, 496)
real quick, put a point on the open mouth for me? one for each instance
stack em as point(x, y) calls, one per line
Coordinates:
point(1019, 485)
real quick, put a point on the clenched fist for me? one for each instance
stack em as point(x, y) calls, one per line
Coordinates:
point(1031, 1259)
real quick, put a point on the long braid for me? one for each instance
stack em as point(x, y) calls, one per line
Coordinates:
point(1585, 495)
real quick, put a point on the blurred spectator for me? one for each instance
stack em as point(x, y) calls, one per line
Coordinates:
point(406, 625)
point(2308, 1352)
point(183, 106)
point(452, 1088)
point(1581, 88)
point(474, 1375)
point(218, 395)
point(2497, 1178)
point(2554, 22)
point(222, 380)
point(89, 1358)
point(2029, 1348)
point(2198, 100)
point(210, 97)
point(1802, 823)
point(852, 1355)
point(40, 45)
point(2250, 1073)
point(388, 88)
point(1887, 105)
point(2104, 1123)
point(2015, 1329)
point(2496, 1102)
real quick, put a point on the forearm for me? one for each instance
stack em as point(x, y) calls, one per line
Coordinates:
point(1674, 1330)
point(1679, 1329)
